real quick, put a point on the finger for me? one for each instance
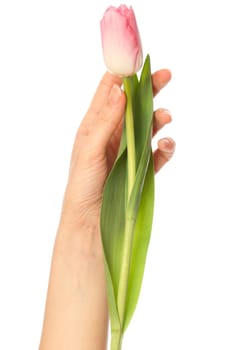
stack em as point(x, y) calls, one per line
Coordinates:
point(109, 117)
point(101, 94)
point(165, 151)
point(161, 117)
point(160, 79)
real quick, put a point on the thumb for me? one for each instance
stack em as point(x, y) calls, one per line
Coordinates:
point(110, 115)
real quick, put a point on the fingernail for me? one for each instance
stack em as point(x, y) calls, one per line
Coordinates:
point(169, 144)
point(166, 111)
point(115, 94)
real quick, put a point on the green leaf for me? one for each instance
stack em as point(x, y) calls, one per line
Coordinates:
point(117, 212)
point(140, 244)
point(143, 192)
point(112, 229)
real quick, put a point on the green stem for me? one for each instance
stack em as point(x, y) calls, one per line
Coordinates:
point(116, 341)
point(129, 225)
point(125, 268)
point(130, 136)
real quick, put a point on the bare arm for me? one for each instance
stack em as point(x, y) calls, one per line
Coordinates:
point(76, 309)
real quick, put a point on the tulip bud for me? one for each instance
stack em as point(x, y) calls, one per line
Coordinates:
point(122, 49)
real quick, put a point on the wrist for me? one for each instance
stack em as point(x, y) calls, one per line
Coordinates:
point(81, 239)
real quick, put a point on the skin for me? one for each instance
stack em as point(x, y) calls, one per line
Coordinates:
point(76, 315)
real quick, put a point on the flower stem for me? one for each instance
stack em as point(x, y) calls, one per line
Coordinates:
point(116, 341)
point(130, 136)
point(125, 268)
point(129, 224)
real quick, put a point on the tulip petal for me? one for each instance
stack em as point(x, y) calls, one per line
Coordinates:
point(121, 44)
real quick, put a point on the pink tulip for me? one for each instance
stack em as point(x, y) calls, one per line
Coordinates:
point(122, 49)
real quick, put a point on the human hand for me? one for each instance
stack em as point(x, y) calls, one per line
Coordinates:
point(96, 146)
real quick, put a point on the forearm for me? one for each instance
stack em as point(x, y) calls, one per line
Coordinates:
point(76, 309)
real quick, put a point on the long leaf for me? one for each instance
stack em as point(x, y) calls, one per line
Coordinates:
point(140, 244)
point(112, 229)
point(142, 199)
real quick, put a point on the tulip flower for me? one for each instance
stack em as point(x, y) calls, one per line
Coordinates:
point(121, 42)
point(128, 196)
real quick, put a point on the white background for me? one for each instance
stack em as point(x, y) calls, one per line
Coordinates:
point(50, 64)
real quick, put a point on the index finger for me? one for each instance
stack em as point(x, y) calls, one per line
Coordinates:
point(103, 90)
